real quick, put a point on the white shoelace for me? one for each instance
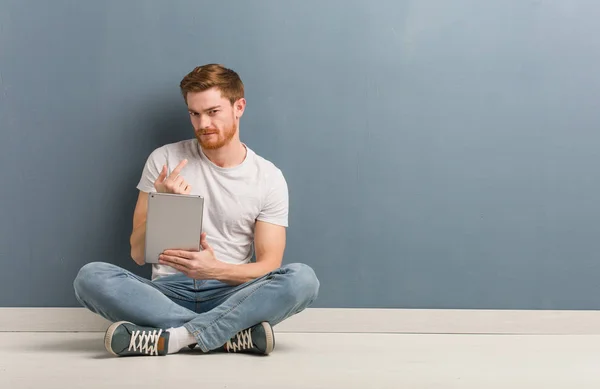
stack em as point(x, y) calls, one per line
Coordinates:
point(147, 341)
point(243, 341)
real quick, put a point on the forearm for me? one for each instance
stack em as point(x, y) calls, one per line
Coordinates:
point(239, 274)
point(137, 241)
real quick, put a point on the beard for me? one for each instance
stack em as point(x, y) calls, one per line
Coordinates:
point(218, 140)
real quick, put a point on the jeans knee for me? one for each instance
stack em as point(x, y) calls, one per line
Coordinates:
point(304, 282)
point(89, 277)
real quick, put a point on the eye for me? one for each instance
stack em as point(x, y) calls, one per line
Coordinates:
point(193, 113)
point(213, 112)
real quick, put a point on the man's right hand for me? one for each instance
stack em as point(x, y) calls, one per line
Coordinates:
point(174, 183)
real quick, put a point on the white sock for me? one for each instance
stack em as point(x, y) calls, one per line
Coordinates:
point(179, 338)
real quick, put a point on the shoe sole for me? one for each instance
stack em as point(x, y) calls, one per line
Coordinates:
point(270, 337)
point(109, 334)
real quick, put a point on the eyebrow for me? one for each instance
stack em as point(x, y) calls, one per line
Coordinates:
point(207, 109)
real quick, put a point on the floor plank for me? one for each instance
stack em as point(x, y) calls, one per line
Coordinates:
point(77, 360)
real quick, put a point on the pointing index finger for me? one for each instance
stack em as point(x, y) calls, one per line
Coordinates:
point(178, 168)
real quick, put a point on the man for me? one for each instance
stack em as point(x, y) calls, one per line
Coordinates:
point(215, 298)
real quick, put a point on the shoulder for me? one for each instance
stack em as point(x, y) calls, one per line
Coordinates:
point(274, 192)
point(184, 148)
point(187, 146)
point(267, 169)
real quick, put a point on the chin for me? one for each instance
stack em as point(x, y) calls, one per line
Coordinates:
point(212, 145)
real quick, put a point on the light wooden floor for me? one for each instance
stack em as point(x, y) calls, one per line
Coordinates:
point(311, 360)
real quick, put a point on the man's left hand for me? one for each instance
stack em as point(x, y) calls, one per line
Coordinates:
point(199, 265)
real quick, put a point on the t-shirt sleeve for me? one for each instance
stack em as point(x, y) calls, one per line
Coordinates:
point(152, 168)
point(276, 205)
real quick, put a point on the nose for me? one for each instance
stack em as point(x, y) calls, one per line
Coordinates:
point(201, 122)
point(204, 122)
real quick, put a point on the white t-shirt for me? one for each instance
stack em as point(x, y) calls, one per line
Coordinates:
point(234, 198)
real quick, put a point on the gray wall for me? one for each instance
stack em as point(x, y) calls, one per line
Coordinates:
point(439, 154)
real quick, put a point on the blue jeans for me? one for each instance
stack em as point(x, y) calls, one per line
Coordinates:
point(211, 310)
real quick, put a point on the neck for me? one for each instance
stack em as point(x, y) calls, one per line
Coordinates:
point(230, 155)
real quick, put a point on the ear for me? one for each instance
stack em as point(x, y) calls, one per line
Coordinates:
point(239, 107)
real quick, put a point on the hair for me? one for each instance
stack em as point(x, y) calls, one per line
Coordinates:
point(213, 76)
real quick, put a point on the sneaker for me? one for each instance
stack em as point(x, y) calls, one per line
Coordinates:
point(258, 339)
point(126, 339)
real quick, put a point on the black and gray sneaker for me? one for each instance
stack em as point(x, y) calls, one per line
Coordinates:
point(258, 339)
point(127, 339)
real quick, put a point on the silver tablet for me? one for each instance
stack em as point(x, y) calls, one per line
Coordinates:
point(173, 221)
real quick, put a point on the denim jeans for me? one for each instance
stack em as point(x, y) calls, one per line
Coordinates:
point(211, 310)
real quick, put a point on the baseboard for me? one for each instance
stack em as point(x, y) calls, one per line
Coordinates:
point(346, 320)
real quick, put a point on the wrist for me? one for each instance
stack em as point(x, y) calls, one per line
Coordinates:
point(219, 271)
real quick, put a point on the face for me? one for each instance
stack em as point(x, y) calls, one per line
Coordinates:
point(214, 119)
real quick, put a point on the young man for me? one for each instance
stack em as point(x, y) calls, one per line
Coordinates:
point(215, 298)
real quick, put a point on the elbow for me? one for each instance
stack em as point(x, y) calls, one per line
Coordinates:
point(269, 266)
point(137, 258)
point(137, 255)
